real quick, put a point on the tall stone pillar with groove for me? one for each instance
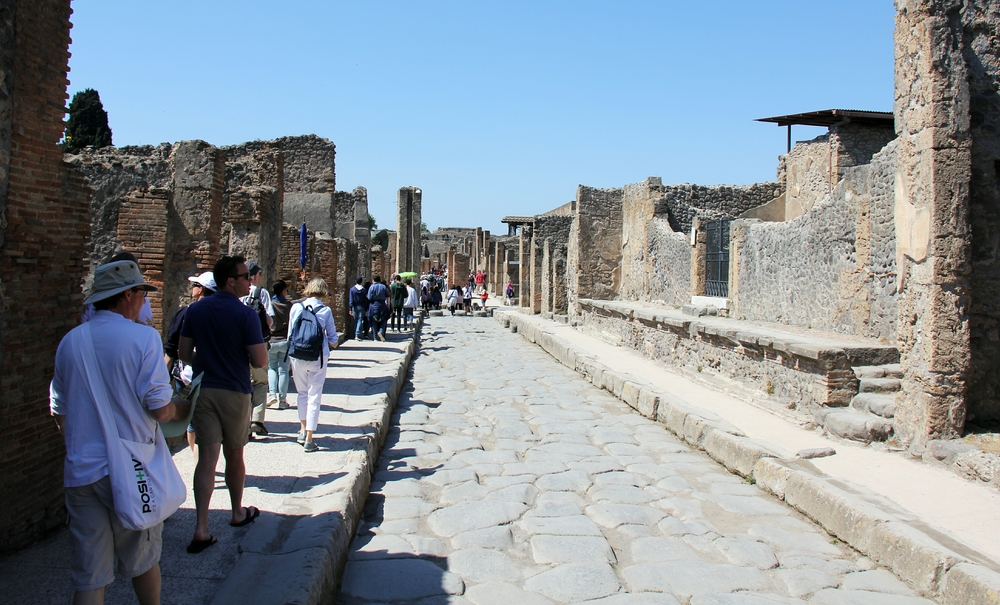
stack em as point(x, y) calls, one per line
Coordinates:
point(408, 248)
point(933, 234)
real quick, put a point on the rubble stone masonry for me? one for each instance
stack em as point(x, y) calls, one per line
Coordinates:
point(833, 268)
point(253, 206)
point(681, 203)
point(656, 260)
point(180, 189)
point(45, 225)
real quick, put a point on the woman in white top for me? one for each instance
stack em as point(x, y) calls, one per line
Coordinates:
point(310, 375)
point(453, 299)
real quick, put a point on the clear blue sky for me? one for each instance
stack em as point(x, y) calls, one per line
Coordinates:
point(490, 107)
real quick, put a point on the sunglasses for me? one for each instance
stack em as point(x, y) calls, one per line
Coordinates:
point(242, 275)
point(144, 292)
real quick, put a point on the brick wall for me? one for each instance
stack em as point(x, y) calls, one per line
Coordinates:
point(142, 229)
point(45, 224)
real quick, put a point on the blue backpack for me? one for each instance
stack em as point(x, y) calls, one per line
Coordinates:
point(305, 339)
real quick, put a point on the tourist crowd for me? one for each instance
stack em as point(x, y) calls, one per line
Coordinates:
point(233, 351)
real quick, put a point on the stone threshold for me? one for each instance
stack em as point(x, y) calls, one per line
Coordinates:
point(937, 565)
point(807, 370)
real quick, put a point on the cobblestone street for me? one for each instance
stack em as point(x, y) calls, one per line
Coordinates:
point(508, 480)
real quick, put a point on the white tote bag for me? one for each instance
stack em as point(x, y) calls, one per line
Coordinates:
point(145, 483)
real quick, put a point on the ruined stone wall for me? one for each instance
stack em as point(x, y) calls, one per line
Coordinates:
point(805, 171)
point(44, 228)
point(594, 253)
point(681, 203)
point(855, 145)
point(253, 207)
point(336, 261)
point(981, 49)
point(310, 179)
point(345, 217)
point(181, 188)
point(112, 174)
point(656, 260)
point(833, 268)
point(333, 259)
point(554, 232)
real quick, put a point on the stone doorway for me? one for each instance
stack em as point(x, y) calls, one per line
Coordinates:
point(717, 258)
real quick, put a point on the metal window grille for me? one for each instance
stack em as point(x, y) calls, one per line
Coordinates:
point(717, 258)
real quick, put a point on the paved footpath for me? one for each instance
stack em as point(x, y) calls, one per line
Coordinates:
point(308, 501)
point(508, 480)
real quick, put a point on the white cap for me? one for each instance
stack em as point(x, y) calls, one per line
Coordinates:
point(205, 280)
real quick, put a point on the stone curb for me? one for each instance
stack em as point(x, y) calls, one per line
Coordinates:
point(955, 574)
point(319, 520)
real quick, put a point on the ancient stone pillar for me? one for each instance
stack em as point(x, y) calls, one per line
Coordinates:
point(932, 219)
point(486, 254)
point(408, 248)
point(362, 233)
point(546, 287)
point(699, 252)
point(536, 269)
point(524, 263)
point(452, 278)
point(597, 251)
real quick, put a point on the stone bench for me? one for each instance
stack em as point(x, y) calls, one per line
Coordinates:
point(804, 370)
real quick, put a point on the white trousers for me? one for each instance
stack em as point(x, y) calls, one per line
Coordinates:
point(309, 378)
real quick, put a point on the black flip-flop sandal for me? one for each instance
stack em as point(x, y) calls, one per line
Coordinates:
point(252, 513)
point(196, 546)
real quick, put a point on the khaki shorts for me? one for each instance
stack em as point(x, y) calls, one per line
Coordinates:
point(97, 536)
point(222, 416)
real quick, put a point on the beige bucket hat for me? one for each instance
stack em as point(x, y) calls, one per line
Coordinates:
point(112, 278)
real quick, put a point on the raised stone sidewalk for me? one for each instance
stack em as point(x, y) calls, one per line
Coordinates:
point(309, 503)
point(933, 529)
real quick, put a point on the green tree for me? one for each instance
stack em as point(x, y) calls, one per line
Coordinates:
point(372, 224)
point(87, 124)
point(423, 227)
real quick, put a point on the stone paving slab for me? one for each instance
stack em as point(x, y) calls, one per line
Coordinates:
point(612, 509)
point(309, 503)
point(947, 548)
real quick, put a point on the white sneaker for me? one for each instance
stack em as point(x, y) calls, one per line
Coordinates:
point(271, 401)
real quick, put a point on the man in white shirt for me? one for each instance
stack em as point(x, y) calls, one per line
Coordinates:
point(130, 357)
point(410, 304)
point(259, 375)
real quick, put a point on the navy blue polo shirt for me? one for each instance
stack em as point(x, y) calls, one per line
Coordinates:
point(222, 328)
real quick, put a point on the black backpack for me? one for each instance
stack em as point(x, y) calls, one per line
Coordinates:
point(305, 338)
point(257, 305)
point(280, 328)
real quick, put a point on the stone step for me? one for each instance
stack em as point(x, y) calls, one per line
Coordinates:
point(869, 372)
point(881, 404)
point(878, 385)
point(857, 426)
point(893, 370)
